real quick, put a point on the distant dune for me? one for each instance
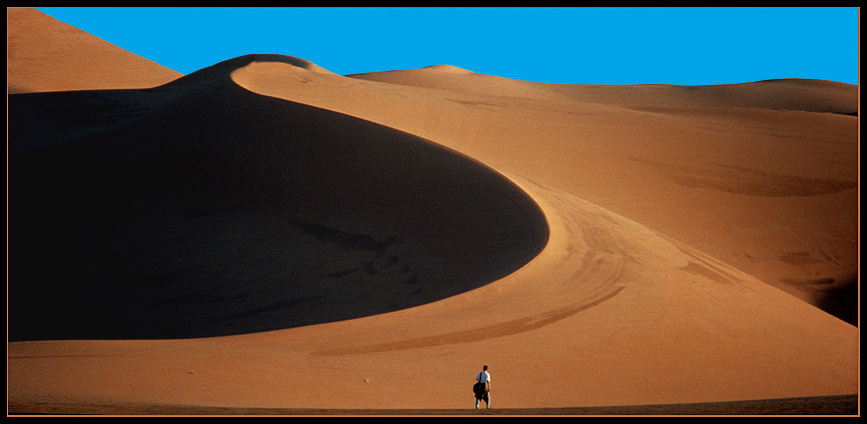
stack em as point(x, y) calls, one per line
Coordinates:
point(264, 233)
point(781, 94)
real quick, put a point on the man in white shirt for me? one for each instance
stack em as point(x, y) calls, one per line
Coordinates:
point(484, 378)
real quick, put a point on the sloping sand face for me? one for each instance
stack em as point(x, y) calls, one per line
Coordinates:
point(226, 212)
point(43, 55)
point(762, 175)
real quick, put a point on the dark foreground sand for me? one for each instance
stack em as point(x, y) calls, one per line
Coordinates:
point(820, 405)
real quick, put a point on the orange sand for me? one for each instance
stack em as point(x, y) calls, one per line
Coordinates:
point(618, 245)
point(43, 54)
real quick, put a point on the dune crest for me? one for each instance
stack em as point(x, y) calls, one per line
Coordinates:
point(449, 69)
point(792, 94)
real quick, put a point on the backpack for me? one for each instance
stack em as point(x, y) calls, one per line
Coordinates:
point(479, 389)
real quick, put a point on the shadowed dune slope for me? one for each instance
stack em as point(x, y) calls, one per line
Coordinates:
point(44, 54)
point(215, 211)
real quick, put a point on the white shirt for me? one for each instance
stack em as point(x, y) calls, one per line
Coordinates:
point(483, 377)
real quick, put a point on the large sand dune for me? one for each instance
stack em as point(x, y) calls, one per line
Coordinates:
point(222, 211)
point(264, 233)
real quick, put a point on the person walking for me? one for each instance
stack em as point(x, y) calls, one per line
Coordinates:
point(483, 385)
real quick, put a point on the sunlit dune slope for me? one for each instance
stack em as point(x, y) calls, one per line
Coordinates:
point(43, 54)
point(219, 211)
point(783, 94)
point(761, 175)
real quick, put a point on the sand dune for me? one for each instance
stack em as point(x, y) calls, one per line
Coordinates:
point(782, 94)
point(706, 165)
point(255, 215)
point(264, 233)
point(43, 54)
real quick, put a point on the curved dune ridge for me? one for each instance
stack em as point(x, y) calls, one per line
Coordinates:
point(224, 212)
point(381, 236)
point(707, 165)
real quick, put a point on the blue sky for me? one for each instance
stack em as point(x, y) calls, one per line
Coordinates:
point(557, 45)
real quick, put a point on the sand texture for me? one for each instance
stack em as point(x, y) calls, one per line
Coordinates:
point(264, 236)
point(43, 54)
